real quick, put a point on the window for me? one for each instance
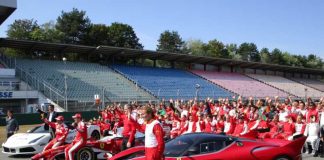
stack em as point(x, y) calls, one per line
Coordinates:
point(177, 146)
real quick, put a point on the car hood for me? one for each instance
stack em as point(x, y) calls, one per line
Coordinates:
point(21, 139)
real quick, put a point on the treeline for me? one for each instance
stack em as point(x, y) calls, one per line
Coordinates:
point(74, 27)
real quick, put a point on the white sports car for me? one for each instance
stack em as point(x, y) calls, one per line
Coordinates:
point(36, 139)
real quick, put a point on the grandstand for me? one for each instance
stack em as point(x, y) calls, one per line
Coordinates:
point(84, 80)
point(314, 83)
point(287, 85)
point(121, 83)
point(241, 84)
point(171, 83)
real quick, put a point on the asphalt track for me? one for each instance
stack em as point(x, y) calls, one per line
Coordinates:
point(6, 157)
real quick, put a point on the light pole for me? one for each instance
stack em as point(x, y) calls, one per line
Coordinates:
point(197, 89)
point(65, 85)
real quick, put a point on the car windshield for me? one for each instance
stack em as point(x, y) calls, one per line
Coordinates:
point(177, 146)
point(38, 129)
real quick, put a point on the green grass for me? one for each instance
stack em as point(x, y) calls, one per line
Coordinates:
point(22, 129)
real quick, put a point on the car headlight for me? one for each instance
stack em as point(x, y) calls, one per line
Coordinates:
point(35, 140)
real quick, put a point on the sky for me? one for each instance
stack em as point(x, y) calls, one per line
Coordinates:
point(296, 26)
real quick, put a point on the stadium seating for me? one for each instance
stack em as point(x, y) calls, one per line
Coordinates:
point(288, 85)
point(241, 84)
point(84, 80)
point(171, 83)
point(311, 83)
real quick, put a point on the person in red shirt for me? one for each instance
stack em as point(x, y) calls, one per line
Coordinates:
point(240, 128)
point(61, 131)
point(154, 142)
point(274, 128)
point(129, 127)
point(80, 139)
point(299, 125)
point(208, 124)
point(200, 124)
point(183, 125)
point(175, 126)
point(312, 111)
point(288, 128)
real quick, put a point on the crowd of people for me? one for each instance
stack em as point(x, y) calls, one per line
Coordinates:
point(255, 118)
point(252, 118)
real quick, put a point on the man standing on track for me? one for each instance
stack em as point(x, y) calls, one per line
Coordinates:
point(154, 142)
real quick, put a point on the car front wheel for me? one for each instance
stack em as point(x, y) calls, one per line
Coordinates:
point(282, 158)
point(85, 154)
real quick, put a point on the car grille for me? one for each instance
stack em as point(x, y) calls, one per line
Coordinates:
point(5, 149)
point(28, 149)
point(12, 150)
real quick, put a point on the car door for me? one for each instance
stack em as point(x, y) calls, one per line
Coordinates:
point(208, 149)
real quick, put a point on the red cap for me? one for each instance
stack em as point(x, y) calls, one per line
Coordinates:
point(77, 115)
point(60, 118)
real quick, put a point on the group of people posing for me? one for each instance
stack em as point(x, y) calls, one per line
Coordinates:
point(253, 118)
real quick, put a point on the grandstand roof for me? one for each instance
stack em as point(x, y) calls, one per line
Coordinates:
point(28, 45)
point(7, 7)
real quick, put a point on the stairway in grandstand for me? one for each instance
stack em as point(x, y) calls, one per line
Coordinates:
point(171, 83)
point(84, 80)
point(287, 85)
point(241, 84)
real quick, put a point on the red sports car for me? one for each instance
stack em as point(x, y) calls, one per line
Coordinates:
point(206, 146)
point(94, 149)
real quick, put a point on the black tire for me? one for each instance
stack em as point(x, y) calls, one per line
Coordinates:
point(284, 157)
point(85, 154)
point(95, 135)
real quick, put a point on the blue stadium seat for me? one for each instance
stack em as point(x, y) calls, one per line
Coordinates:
point(171, 83)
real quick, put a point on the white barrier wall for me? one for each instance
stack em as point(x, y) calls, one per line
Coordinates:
point(18, 94)
point(7, 72)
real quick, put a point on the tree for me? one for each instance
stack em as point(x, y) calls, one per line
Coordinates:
point(170, 41)
point(98, 35)
point(276, 56)
point(265, 55)
point(74, 25)
point(249, 52)
point(22, 29)
point(47, 33)
point(195, 47)
point(217, 49)
point(313, 61)
point(123, 35)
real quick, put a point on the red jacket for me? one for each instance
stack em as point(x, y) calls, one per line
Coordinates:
point(129, 126)
point(61, 131)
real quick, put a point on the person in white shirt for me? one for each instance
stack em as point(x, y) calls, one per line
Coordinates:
point(312, 133)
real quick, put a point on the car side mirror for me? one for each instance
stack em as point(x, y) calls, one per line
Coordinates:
point(240, 144)
point(28, 131)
